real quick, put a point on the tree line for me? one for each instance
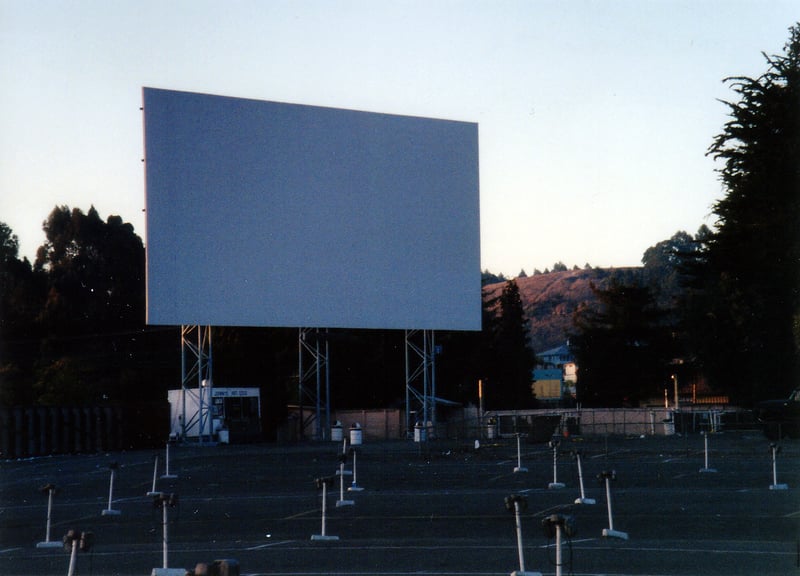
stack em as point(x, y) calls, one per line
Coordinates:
point(724, 302)
point(488, 277)
point(74, 333)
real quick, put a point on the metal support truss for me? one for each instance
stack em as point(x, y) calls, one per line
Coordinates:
point(196, 372)
point(314, 381)
point(420, 380)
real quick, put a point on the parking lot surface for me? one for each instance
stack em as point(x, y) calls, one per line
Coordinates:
point(434, 508)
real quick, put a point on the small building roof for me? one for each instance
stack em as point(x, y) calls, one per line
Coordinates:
point(547, 374)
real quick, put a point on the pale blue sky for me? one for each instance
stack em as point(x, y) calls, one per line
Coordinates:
point(594, 117)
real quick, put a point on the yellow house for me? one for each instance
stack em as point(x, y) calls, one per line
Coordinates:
point(547, 384)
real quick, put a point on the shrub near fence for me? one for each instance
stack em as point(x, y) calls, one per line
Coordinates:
point(43, 430)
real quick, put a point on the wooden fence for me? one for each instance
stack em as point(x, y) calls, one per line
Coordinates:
point(43, 430)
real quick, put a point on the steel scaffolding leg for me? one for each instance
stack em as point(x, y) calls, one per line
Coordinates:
point(314, 381)
point(420, 380)
point(196, 372)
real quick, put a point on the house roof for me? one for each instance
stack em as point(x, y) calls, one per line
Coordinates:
point(562, 350)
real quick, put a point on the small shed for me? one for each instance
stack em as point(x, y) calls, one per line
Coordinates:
point(223, 414)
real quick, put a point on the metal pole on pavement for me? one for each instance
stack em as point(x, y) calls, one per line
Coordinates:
point(519, 467)
point(323, 484)
point(165, 538)
point(109, 511)
point(610, 532)
point(72, 557)
point(558, 549)
point(705, 468)
point(153, 491)
point(50, 489)
point(167, 474)
point(775, 486)
point(583, 499)
point(354, 487)
point(555, 483)
point(516, 504)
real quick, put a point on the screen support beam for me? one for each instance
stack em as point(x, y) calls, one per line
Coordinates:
point(313, 354)
point(196, 354)
point(420, 379)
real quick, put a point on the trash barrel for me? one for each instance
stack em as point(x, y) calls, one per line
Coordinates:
point(491, 429)
point(336, 432)
point(356, 434)
point(419, 433)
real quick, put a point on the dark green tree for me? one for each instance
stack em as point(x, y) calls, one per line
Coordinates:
point(665, 270)
point(9, 243)
point(491, 278)
point(95, 270)
point(500, 355)
point(93, 316)
point(468, 356)
point(22, 294)
point(512, 357)
point(744, 308)
point(622, 348)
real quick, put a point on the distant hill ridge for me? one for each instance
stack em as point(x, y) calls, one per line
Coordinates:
point(551, 299)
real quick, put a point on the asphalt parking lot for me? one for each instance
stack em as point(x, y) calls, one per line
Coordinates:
point(434, 508)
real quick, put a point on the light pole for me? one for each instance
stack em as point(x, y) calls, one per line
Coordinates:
point(480, 405)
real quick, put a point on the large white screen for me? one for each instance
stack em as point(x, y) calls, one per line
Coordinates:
point(271, 214)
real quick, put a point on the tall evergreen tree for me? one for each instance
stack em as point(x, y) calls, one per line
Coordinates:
point(513, 354)
point(623, 348)
point(662, 267)
point(467, 357)
point(746, 298)
point(500, 355)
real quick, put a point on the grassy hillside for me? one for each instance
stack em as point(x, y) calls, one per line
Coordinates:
point(550, 300)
